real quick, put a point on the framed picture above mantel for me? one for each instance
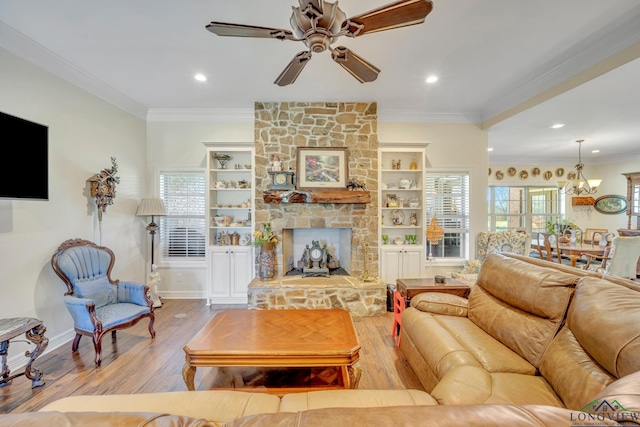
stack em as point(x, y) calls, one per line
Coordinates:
point(322, 168)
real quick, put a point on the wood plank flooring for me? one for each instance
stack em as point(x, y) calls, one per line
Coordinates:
point(134, 363)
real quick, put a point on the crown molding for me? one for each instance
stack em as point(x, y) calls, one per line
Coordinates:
point(201, 115)
point(24, 47)
point(590, 52)
point(415, 116)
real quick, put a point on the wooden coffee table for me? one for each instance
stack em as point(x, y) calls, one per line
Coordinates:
point(277, 338)
point(409, 288)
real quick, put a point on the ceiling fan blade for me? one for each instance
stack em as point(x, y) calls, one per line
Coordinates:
point(394, 15)
point(358, 67)
point(291, 72)
point(238, 30)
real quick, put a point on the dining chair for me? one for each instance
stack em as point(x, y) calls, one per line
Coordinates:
point(588, 236)
point(623, 257)
point(603, 240)
point(545, 248)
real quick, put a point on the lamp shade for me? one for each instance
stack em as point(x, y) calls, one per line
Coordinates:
point(151, 207)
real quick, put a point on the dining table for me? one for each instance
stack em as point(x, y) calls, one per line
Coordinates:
point(575, 250)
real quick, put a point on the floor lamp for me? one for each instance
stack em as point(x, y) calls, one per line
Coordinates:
point(152, 207)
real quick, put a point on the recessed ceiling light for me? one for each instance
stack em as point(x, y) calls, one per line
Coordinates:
point(489, 149)
point(557, 126)
point(595, 151)
point(200, 77)
point(432, 79)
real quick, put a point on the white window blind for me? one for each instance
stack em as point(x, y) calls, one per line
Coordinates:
point(182, 230)
point(447, 198)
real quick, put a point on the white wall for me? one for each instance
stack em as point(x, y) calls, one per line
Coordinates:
point(84, 132)
point(180, 145)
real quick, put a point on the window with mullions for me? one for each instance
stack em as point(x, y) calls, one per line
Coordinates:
point(447, 198)
point(182, 230)
point(526, 208)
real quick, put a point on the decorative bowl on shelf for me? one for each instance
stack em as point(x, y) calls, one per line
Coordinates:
point(247, 166)
point(398, 241)
point(219, 220)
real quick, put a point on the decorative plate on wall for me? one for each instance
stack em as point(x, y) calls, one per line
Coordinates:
point(611, 204)
point(511, 171)
point(547, 175)
point(535, 172)
point(571, 175)
point(499, 175)
point(559, 172)
point(524, 174)
point(489, 171)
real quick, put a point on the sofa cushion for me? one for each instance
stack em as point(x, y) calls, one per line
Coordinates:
point(604, 318)
point(440, 303)
point(625, 391)
point(440, 416)
point(99, 290)
point(294, 402)
point(572, 373)
point(470, 385)
point(213, 405)
point(446, 342)
point(520, 305)
point(93, 419)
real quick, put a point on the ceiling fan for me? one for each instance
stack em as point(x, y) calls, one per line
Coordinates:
point(319, 23)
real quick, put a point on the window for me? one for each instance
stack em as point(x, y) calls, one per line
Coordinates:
point(182, 230)
point(447, 198)
point(522, 207)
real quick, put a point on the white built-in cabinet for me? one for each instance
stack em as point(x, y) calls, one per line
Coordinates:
point(230, 212)
point(401, 212)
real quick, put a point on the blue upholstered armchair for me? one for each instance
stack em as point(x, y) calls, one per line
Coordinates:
point(97, 303)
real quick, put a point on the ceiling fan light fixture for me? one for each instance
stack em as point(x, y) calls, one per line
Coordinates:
point(318, 24)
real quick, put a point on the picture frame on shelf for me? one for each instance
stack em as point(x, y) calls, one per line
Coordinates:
point(392, 200)
point(322, 167)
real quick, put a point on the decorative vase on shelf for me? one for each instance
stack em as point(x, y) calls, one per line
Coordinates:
point(266, 261)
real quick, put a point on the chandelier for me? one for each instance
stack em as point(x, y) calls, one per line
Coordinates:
point(579, 185)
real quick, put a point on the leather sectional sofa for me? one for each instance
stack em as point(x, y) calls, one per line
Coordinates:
point(531, 332)
point(535, 344)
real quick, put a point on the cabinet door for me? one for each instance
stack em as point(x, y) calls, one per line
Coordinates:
point(220, 273)
point(241, 268)
point(391, 265)
point(412, 263)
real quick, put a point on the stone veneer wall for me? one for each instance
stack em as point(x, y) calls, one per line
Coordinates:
point(281, 127)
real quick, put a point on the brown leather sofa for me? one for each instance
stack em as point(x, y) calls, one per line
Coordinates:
point(531, 333)
point(321, 408)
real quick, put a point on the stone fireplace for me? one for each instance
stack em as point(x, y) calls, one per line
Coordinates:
point(281, 127)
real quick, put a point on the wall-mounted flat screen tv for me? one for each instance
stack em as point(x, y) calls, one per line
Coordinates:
point(25, 152)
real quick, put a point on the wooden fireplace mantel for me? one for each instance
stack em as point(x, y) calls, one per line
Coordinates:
point(316, 196)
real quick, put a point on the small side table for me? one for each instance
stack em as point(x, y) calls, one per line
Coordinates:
point(409, 288)
point(34, 331)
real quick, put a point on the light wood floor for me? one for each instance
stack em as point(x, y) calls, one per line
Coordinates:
point(134, 363)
